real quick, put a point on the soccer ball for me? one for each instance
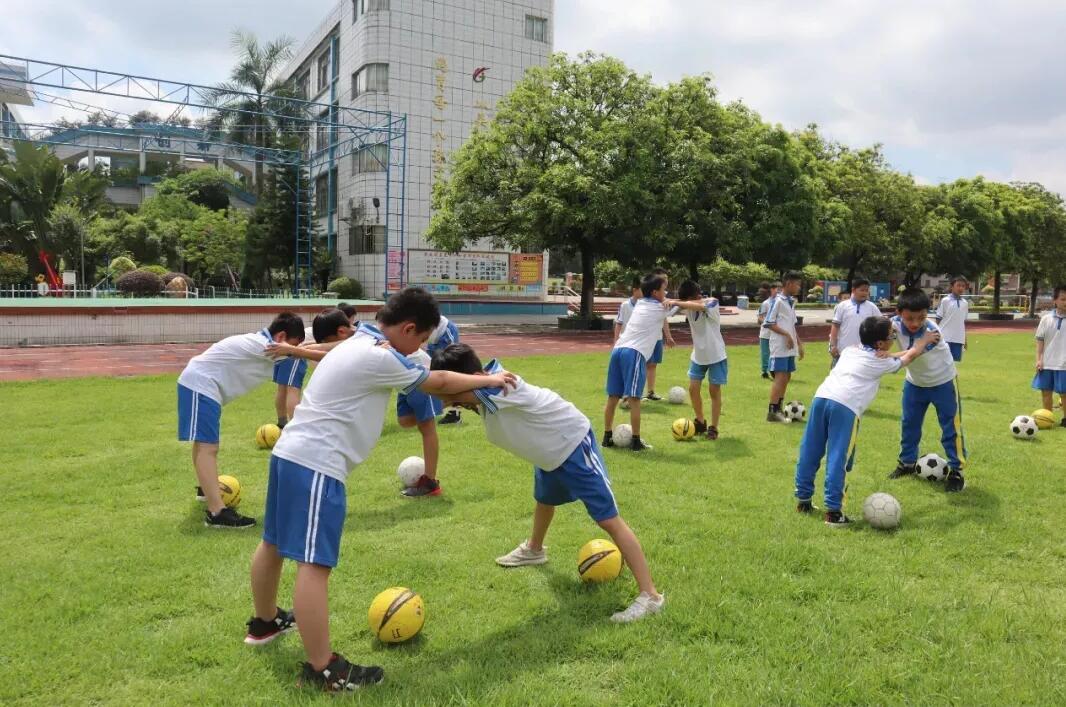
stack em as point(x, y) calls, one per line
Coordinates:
point(1045, 420)
point(599, 561)
point(882, 511)
point(932, 467)
point(267, 436)
point(622, 435)
point(795, 411)
point(676, 396)
point(683, 429)
point(411, 470)
point(1023, 427)
point(230, 489)
point(396, 615)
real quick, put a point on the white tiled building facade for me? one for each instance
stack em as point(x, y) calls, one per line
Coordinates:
point(442, 63)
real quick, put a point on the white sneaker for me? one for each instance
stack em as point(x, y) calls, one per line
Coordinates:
point(522, 556)
point(643, 605)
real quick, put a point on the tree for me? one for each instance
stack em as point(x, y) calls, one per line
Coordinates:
point(1040, 238)
point(563, 165)
point(69, 227)
point(206, 187)
point(102, 119)
point(13, 268)
point(30, 187)
point(213, 244)
point(86, 190)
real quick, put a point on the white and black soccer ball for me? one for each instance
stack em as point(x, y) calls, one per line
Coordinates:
point(932, 467)
point(623, 435)
point(411, 470)
point(677, 395)
point(882, 511)
point(796, 411)
point(1024, 427)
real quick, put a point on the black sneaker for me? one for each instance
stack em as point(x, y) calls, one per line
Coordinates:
point(954, 481)
point(805, 507)
point(903, 470)
point(451, 418)
point(341, 676)
point(776, 416)
point(228, 519)
point(639, 445)
point(701, 427)
point(712, 433)
point(652, 395)
point(837, 519)
point(766, 375)
point(608, 440)
point(200, 495)
point(425, 487)
point(262, 632)
point(1063, 423)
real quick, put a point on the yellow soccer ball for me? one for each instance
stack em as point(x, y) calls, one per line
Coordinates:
point(599, 561)
point(230, 489)
point(267, 436)
point(396, 615)
point(1045, 419)
point(683, 429)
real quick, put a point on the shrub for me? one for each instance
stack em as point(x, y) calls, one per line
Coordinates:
point(346, 288)
point(175, 275)
point(140, 282)
point(13, 268)
point(815, 294)
point(157, 269)
point(122, 265)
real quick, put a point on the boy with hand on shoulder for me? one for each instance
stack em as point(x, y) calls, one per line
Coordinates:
point(833, 424)
point(951, 315)
point(538, 425)
point(848, 316)
point(1050, 375)
point(785, 345)
point(333, 430)
point(222, 373)
point(764, 333)
point(708, 354)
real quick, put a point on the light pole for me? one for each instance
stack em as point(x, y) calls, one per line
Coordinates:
point(81, 234)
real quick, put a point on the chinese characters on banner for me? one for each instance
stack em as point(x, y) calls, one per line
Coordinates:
point(394, 270)
point(526, 268)
point(487, 273)
point(439, 104)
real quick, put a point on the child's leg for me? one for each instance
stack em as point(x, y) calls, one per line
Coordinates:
point(815, 437)
point(310, 602)
point(764, 354)
point(696, 396)
point(915, 403)
point(949, 415)
point(634, 416)
point(843, 430)
point(632, 553)
point(281, 402)
point(430, 446)
point(1048, 397)
point(779, 387)
point(652, 367)
point(292, 399)
point(266, 573)
point(608, 413)
point(205, 460)
point(542, 519)
point(715, 392)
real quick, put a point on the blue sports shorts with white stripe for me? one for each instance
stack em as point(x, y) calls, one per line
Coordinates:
point(304, 513)
point(626, 374)
point(582, 477)
point(291, 372)
point(199, 417)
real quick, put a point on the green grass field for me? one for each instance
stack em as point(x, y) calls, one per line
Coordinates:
point(112, 591)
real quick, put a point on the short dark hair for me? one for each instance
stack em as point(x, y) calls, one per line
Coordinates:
point(792, 276)
point(348, 309)
point(327, 322)
point(688, 290)
point(913, 299)
point(459, 358)
point(860, 282)
point(776, 283)
point(1058, 291)
point(290, 323)
point(413, 305)
point(765, 285)
point(635, 283)
point(651, 283)
point(874, 330)
point(660, 271)
point(959, 278)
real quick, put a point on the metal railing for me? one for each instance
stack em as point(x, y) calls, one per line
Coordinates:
point(34, 292)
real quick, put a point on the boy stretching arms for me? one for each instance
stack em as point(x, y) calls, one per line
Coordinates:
point(625, 311)
point(848, 316)
point(628, 366)
point(537, 425)
point(333, 430)
point(785, 345)
point(708, 354)
point(764, 332)
point(290, 372)
point(932, 380)
point(444, 335)
point(1051, 354)
point(226, 371)
point(839, 403)
point(951, 314)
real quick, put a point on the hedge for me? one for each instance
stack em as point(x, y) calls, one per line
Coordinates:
point(346, 288)
point(140, 282)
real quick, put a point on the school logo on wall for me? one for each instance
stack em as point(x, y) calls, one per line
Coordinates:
point(479, 74)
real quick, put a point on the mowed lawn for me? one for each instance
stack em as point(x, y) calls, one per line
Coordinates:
point(112, 591)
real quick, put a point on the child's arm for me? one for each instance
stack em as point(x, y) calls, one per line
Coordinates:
point(690, 305)
point(931, 337)
point(451, 383)
point(834, 334)
point(667, 335)
point(617, 331)
point(312, 352)
point(1039, 354)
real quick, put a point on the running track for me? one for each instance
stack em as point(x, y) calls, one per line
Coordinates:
point(36, 363)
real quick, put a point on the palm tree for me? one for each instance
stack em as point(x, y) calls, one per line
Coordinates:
point(29, 188)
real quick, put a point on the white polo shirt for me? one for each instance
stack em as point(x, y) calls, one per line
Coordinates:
point(782, 312)
point(855, 379)
point(339, 420)
point(533, 423)
point(625, 311)
point(708, 347)
point(230, 368)
point(1052, 332)
point(645, 326)
point(849, 316)
point(934, 367)
point(764, 309)
point(951, 318)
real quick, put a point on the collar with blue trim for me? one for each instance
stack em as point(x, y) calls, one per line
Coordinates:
point(370, 330)
point(265, 333)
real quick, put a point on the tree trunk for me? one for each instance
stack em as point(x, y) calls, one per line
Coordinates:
point(1032, 297)
point(588, 282)
point(995, 292)
point(694, 270)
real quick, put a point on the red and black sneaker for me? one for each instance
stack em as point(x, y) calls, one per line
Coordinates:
point(341, 676)
point(425, 487)
point(262, 632)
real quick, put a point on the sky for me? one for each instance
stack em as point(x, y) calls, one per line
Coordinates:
point(950, 88)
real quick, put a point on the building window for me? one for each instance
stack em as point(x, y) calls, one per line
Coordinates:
point(323, 72)
point(364, 239)
point(361, 7)
point(370, 158)
point(371, 78)
point(536, 28)
point(322, 131)
point(303, 85)
point(321, 195)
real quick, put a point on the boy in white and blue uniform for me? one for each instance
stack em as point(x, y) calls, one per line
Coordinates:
point(537, 425)
point(833, 423)
point(951, 315)
point(849, 316)
point(444, 335)
point(1050, 375)
point(625, 311)
point(932, 380)
point(222, 373)
point(333, 430)
point(708, 358)
point(418, 409)
point(764, 333)
point(627, 369)
point(785, 345)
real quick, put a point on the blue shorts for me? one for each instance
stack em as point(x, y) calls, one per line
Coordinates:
point(718, 373)
point(582, 477)
point(290, 371)
point(783, 364)
point(304, 513)
point(626, 374)
point(199, 417)
point(1050, 380)
point(421, 406)
point(657, 354)
point(956, 350)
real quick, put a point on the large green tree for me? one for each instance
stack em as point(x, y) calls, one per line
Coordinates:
point(30, 187)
